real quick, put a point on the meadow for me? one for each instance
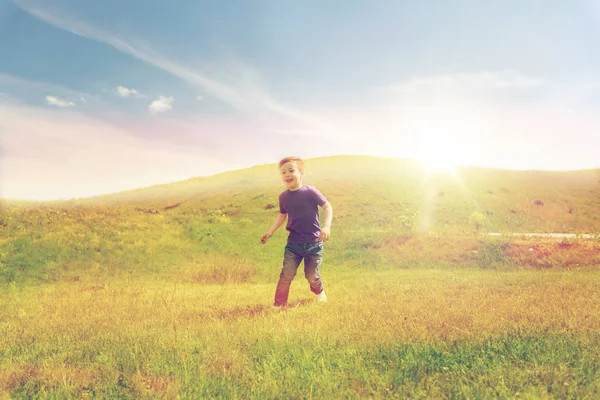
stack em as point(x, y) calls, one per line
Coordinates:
point(166, 292)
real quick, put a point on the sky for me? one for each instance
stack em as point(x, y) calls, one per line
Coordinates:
point(100, 97)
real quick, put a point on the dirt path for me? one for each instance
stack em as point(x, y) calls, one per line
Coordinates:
point(550, 235)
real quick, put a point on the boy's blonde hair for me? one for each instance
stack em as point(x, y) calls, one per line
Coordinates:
point(299, 162)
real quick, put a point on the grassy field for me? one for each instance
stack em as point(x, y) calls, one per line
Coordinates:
point(418, 333)
point(165, 292)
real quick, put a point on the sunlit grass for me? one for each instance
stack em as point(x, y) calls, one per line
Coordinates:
point(398, 333)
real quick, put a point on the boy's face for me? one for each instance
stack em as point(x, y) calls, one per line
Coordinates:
point(291, 175)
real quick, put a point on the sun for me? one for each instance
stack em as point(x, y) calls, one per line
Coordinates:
point(439, 153)
point(438, 160)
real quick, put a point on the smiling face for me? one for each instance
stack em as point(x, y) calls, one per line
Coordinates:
point(291, 175)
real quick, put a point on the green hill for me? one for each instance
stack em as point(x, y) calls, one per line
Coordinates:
point(374, 190)
point(379, 204)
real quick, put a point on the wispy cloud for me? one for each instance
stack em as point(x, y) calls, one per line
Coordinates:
point(55, 101)
point(126, 92)
point(22, 84)
point(506, 79)
point(242, 94)
point(200, 97)
point(161, 104)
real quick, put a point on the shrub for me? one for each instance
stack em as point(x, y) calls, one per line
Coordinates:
point(478, 220)
point(492, 254)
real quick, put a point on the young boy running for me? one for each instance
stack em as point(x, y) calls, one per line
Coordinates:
point(299, 204)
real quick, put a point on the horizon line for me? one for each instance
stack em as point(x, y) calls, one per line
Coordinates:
point(413, 160)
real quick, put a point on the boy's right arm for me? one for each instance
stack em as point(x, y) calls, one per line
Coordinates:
point(278, 222)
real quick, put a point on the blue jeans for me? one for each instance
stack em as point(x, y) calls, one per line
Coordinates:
point(312, 253)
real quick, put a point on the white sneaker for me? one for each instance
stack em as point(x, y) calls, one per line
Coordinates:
point(322, 297)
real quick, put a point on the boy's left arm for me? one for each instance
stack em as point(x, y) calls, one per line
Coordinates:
point(326, 229)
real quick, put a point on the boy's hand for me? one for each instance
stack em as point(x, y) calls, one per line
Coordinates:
point(325, 233)
point(265, 237)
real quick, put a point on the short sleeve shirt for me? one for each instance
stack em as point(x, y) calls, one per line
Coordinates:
point(302, 208)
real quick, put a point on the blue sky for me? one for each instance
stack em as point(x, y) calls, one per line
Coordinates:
point(98, 97)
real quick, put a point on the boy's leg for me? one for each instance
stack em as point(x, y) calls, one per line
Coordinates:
point(312, 267)
point(291, 260)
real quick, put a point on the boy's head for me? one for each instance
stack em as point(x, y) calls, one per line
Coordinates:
point(292, 172)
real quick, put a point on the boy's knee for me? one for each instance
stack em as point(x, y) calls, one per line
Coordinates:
point(312, 278)
point(287, 274)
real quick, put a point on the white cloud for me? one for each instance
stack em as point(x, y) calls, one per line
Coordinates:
point(161, 104)
point(243, 92)
point(200, 97)
point(55, 101)
point(19, 89)
point(126, 92)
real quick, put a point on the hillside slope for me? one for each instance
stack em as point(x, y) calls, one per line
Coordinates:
point(376, 189)
point(208, 229)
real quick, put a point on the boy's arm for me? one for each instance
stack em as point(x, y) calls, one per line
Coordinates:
point(278, 222)
point(326, 229)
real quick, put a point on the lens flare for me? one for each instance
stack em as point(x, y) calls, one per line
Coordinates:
point(440, 154)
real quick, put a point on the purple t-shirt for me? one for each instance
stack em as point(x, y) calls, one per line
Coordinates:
point(302, 208)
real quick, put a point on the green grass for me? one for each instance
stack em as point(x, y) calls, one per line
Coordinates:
point(419, 333)
point(166, 291)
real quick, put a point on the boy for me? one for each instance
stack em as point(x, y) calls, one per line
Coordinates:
point(299, 205)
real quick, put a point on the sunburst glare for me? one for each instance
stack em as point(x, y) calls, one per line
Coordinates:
point(440, 153)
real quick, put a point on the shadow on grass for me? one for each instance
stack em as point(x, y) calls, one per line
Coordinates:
point(252, 311)
point(303, 302)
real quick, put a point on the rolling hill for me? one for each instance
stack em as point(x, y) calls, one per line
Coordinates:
point(382, 208)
